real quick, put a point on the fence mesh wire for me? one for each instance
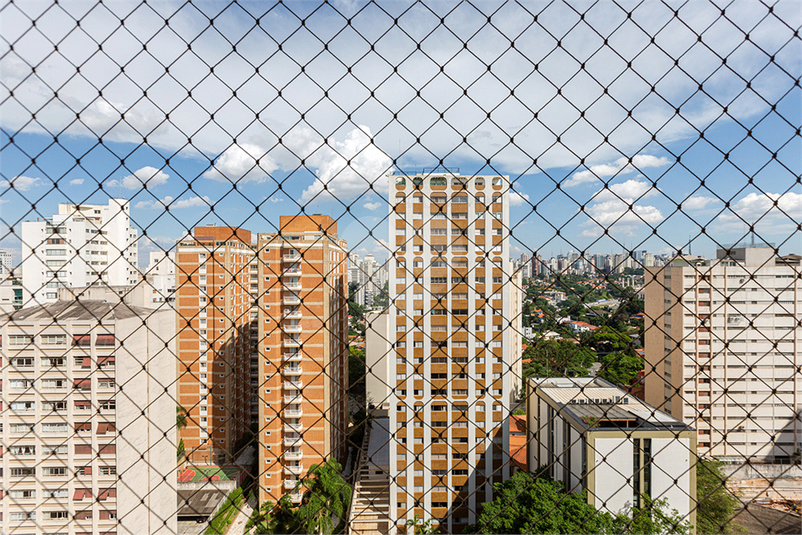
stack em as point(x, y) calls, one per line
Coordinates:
point(421, 267)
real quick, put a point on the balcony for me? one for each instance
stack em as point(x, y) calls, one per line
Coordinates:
point(290, 427)
point(296, 497)
point(298, 470)
point(291, 257)
point(292, 270)
point(293, 357)
point(292, 328)
point(293, 398)
point(288, 385)
point(292, 342)
point(292, 299)
point(292, 314)
point(293, 370)
point(293, 286)
point(293, 455)
point(291, 484)
point(293, 441)
point(293, 413)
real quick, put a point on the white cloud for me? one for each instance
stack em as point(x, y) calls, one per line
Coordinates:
point(611, 210)
point(518, 197)
point(76, 181)
point(276, 199)
point(372, 205)
point(21, 182)
point(620, 167)
point(346, 168)
point(759, 206)
point(247, 162)
point(147, 177)
point(698, 202)
point(169, 202)
point(122, 114)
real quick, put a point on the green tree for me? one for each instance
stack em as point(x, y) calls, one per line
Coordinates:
point(716, 505)
point(180, 423)
point(325, 502)
point(557, 358)
point(620, 367)
point(532, 505)
point(421, 527)
point(654, 517)
point(525, 504)
point(356, 372)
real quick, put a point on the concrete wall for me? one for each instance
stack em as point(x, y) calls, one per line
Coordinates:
point(378, 358)
point(146, 447)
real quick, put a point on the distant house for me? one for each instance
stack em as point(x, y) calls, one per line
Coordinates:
point(594, 436)
point(581, 327)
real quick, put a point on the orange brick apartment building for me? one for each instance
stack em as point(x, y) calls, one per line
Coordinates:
point(303, 338)
point(214, 340)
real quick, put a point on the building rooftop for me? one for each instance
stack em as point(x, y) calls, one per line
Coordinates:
point(599, 404)
point(76, 309)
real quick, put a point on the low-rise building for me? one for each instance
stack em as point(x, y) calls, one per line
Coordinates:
point(592, 435)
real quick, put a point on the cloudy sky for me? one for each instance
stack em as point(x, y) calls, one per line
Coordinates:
point(613, 122)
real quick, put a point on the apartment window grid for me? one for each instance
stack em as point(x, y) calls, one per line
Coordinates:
point(472, 357)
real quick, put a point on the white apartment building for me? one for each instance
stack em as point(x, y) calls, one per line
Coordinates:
point(455, 329)
point(88, 419)
point(724, 350)
point(6, 262)
point(82, 245)
point(160, 277)
point(592, 435)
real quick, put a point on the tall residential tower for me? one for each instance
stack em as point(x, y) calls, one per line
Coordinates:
point(724, 350)
point(454, 325)
point(303, 348)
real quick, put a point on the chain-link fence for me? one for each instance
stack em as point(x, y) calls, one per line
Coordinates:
point(382, 267)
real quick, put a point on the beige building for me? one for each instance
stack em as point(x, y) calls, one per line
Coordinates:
point(454, 324)
point(215, 343)
point(88, 419)
point(594, 436)
point(724, 350)
point(303, 347)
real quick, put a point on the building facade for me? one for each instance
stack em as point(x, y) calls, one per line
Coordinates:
point(88, 419)
point(215, 344)
point(160, 277)
point(591, 435)
point(303, 348)
point(82, 245)
point(724, 350)
point(455, 333)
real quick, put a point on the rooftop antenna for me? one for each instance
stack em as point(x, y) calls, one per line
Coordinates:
point(690, 241)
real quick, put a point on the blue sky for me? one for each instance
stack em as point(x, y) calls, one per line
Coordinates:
point(406, 107)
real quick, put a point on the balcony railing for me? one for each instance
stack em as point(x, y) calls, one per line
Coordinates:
point(294, 469)
point(292, 314)
point(293, 398)
point(293, 427)
point(293, 455)
point(293, 357)
point(292, 299)
point(292, 328)
point(294, 270)
point(293, 384)
point(291, 484)
point(293, 370)
point(293, 413)
point(292, 441)
point(291, 257)
point(292, 342)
